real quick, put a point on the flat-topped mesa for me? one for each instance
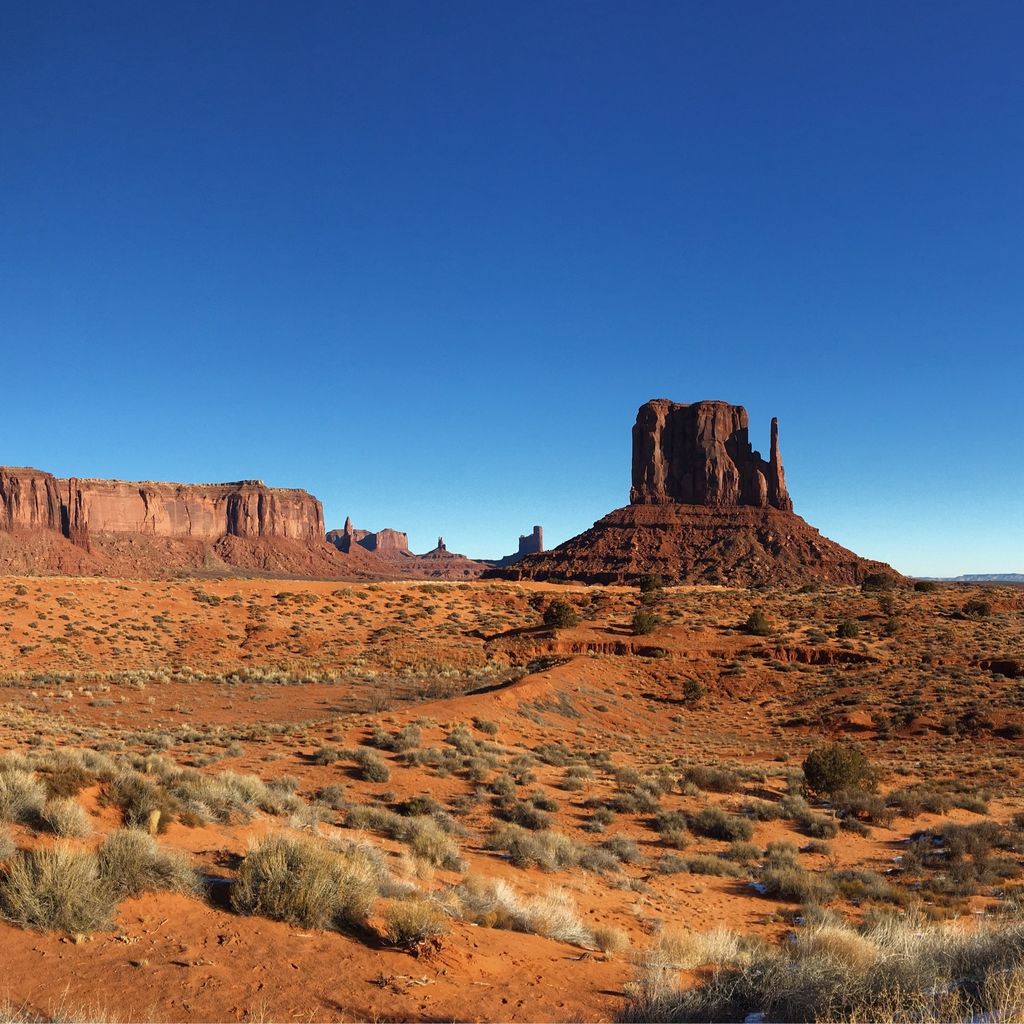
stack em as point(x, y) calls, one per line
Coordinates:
point(699, 454)
point(31, 499)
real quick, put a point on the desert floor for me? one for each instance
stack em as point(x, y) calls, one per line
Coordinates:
point(581, 766)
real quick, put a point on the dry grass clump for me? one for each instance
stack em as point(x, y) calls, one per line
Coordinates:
point(64, 817)
point(7, 847)
point(58, 889)
point(423, 835)
point(22, 796)
point(546, 850)
point(898, 969)
point(305, 883)
point(495, 904)
point(414, 924)
point(611, 940)
point(132, 862)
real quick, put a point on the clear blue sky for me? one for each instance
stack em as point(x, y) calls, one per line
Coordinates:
point(425, 259)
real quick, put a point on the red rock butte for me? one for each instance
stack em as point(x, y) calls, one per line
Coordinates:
point(705, 507)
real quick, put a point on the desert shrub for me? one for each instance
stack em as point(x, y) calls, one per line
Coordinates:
point(860, 803)
point(132, 862)
point(977, 608)
point(704, 864)
point(693, 691)
point(897, 969)
point(926, 586)
point(858, 886)
point(408, 738)
point(426, 839)
point(413, 924)
point(835, 766)
point(7, 847)
point(600, 819)
point(915, 800)
point(796, 885)
point(487, 727)
point(304, 883)
point(644, 622)
point(64, 817)
point(497, 905)
point(877, 581)
point(332, 796)
point(712, 780)
point(372, 767)
point(743, 852)
point(57, 889)
point(847, 629)
point(560, 614)
point(22, 797)
point(327, 755)
point(522, 813)
point(622, 848)
point(143, 804)
point(650, 583)
point(715, 823)
point(546, 850)
point(758, 624)
point(65, 777)
point(762, 810)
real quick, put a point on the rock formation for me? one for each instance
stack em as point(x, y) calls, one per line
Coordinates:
point(704, 508)
point(208, 512)
point(529, 544)
point(700, 454)
point(391, 547)
point(116, 527)
point(386, 543)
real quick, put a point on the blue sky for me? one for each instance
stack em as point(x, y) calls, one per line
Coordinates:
point(426, 259)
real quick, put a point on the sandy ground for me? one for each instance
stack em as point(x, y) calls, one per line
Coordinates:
point(255, 676)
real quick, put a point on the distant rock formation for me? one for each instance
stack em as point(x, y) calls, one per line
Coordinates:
point(529, 544)
point(386, 543)
point(700, 454)
point(704, 508)
point(391, 547)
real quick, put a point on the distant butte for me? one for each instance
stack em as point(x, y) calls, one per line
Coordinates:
point(705, 507)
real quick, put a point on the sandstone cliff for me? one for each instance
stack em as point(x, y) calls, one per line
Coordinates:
point(198, 511)
point(116, 527)
point(700, 454)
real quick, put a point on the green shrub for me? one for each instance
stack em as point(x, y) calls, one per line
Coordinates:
point(758, 624)
point(651, 583)
point(644, 622)
point(926, 586)
point(715, 823)
point(560, 614)
point(835, 766)
point(847, 629)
